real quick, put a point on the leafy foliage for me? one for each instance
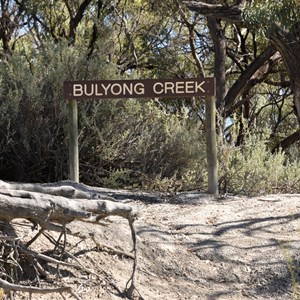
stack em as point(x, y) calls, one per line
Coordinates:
point(33, 111)
point(121, 142)
point(268, 15)
point(251, 170)
point(135, 142)
point(142, 143)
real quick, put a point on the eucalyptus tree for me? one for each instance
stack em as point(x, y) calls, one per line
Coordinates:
point(256, 36)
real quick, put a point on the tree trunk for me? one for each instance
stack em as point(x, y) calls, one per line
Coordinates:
point(288, 45)
point(219, 41)
point(296, 91)
point(287, 142)
point(255, 73)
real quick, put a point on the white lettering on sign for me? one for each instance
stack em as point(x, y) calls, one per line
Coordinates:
point(158, 88)
point(169, 87)
point(116, 89)
point(178, 87)
point(77, 90)
point(189, 87)
point(198, 87)
point(87, 91)
point(139, 89)
point(105, 88)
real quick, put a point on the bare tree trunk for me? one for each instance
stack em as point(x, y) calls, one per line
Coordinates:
point(219, 41)
point(296, 91)
point(288, 45)
point(288, 141)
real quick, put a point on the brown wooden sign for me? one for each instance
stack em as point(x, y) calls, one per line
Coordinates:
point(144, 88)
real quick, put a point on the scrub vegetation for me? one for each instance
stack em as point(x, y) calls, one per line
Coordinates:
point(151, 143)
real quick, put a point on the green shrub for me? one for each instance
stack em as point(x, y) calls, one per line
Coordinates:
point(132, 143)
point(33, 144)
point(252, 169)
point(137, 143)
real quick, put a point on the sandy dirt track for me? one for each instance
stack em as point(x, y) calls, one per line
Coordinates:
point(194, 246)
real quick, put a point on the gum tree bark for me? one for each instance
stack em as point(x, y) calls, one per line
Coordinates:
point(219, 40)
point(288, 44)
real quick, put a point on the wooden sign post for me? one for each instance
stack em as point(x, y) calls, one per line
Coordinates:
point(73, 140)
point(211, 144)
point(145, 88)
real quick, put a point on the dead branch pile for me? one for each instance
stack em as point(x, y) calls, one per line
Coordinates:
point(50, 208)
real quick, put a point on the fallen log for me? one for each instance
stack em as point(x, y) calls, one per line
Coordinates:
point(41, 207)
point(52, 207)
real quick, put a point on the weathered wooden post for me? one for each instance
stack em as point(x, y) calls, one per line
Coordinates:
point(211, 145)
point(73, 140)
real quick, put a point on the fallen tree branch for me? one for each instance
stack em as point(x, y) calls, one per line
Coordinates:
point(8, 238)
point(49, 208)
point(131, 285)
point(30, 289)
point(64, 188)
point(112, 249)
point(42, 208)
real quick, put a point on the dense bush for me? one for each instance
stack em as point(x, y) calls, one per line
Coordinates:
point(33, 145)
point(136, 143)
point(123, 143)
point(252, 169)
